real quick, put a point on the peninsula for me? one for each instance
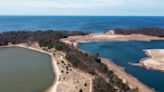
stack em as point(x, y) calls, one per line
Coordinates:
point(146, 34)
point(75, 69)
point(154, 61)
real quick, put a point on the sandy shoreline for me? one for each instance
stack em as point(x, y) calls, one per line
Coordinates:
point(52, 88)
point(132, 81)
point(75, 40)
point(127, 78)
point(154, 61)
point(63, 82)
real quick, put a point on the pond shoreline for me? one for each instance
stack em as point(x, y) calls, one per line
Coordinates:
point(53, 87)
point(61, 81)
point(75, 41)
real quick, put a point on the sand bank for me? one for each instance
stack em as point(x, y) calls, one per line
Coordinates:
point(132, 81)
point(127, 78)
point(74, 40)
point(67, 81)
point(154, 61)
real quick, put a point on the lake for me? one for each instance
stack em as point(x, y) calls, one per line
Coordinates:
point(131, 51)
point(24, 70)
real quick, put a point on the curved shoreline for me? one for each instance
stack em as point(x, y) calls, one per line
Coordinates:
point(60, 84)
point(53, 87)
point(132, 81)
point(127, 78)
point(153, 61)
point(122, 74)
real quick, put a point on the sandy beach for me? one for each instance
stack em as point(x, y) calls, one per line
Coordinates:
point(55, 67)
point(154, 61)
point(127, 78)
point(75, 40)
point(64, 82)
point(132, 81)
point(69, 79)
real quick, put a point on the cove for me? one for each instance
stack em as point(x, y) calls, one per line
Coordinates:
point(130, 51)
point(24, 70)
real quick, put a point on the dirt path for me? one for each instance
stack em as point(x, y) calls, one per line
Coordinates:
point(132, 81)
point(73, 82)
point(71, 79)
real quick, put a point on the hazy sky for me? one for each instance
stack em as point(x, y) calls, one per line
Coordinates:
point(82, 7)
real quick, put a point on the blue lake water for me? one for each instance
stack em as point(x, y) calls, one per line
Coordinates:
point(123, 52)
point(77, 23)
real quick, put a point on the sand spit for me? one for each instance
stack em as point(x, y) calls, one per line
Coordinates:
point(127, 78)
point(132, 81)
point(74, 40)
point(154, 61)
point(67, 78)
point(70, 79)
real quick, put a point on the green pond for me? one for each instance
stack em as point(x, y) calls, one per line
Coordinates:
point(25, 70)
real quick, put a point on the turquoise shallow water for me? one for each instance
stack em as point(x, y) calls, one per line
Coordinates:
point(24, 70)
point(123, 52)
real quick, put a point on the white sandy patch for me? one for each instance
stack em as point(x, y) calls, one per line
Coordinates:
point(156, 60)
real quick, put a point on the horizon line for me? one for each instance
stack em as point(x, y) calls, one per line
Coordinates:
point(93, 15)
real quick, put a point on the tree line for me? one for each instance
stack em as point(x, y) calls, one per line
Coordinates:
point(146, 31)
point(90, 63)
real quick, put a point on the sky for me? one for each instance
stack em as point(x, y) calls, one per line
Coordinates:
point(83, 7)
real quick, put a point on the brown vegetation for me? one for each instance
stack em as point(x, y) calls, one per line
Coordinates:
point(105, 81)
point(145, 31)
